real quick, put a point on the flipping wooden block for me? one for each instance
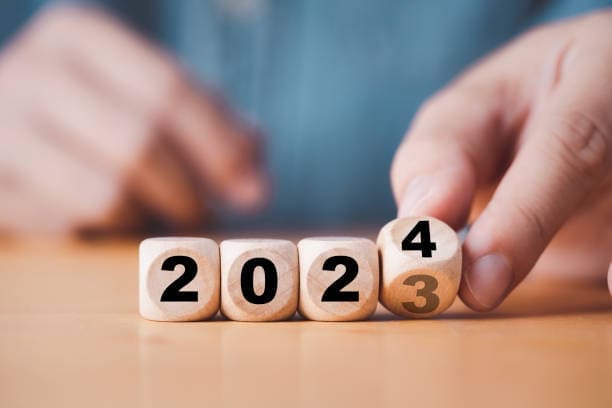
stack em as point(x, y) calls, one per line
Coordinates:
point(179, 279)
point(259, 279)
point(421, 266)
point(338, 278)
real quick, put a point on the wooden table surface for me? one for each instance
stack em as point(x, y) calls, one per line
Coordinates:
point(70, 335)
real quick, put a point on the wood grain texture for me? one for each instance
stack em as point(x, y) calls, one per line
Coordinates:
point(315, 280)
point(282, 304)
point(154, 281)
point(413, 285)
point(70, 335)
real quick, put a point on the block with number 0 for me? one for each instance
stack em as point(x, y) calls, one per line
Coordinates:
point(421, 266)
point(338, 278)
point(179, 279)
point(259, 279)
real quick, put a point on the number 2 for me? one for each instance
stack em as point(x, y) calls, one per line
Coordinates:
point(173, 292)
point(334, 292)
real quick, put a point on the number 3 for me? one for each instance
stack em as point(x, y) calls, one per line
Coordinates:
point(432, 301)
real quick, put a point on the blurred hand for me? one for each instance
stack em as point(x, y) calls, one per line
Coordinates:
point(100, 129)
point(535, 120)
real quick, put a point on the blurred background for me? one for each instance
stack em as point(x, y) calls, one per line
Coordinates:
point(331, 86)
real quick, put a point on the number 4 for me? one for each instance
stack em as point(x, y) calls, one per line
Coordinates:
point(425, 245)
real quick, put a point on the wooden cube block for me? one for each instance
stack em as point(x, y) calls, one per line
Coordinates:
point(338, 278)
point(259, 279)
point(421, 266)
point(179, 279)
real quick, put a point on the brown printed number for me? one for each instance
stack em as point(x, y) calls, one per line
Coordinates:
point(426, 247)
point(432, 301)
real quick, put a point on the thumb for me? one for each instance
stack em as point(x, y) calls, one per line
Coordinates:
point(565, 156)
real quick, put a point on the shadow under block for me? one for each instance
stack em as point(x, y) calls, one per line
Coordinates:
point(179, 279)
point(338, 278)
point(421, 266)
point(259, 279)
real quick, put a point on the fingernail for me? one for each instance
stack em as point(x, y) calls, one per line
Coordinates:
point(489, 279)
point(416, 195)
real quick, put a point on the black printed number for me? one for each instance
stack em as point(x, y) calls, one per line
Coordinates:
point(425, 245)
point(432, 301)
point(246, 280)
point(173, 292)
point(334, 292)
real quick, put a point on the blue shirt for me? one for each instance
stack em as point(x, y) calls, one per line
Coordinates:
point(334, 84)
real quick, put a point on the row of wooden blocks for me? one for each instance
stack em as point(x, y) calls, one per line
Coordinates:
point(414, 270)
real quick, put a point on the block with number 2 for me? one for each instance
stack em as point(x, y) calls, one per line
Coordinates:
point(179, 279)
point(338, 278)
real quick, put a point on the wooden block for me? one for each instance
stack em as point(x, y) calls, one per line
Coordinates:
point(179, 279)
point(338, 278)
point(259, 279)
point(421, 266)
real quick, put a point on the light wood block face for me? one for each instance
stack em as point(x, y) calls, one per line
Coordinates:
point(179, 279)
point(421, 266)
point(338, 278)
point(259, 279)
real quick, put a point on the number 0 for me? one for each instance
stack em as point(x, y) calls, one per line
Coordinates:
point(246, 281)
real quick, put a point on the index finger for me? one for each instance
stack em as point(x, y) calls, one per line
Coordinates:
point(222, 152)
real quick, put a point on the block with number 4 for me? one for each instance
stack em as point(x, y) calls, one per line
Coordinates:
point(259, 279)
point(421, 266)
point(338, 278)
point(179, 279)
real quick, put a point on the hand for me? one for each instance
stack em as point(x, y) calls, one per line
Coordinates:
point(535, 119)
point(102, 130)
